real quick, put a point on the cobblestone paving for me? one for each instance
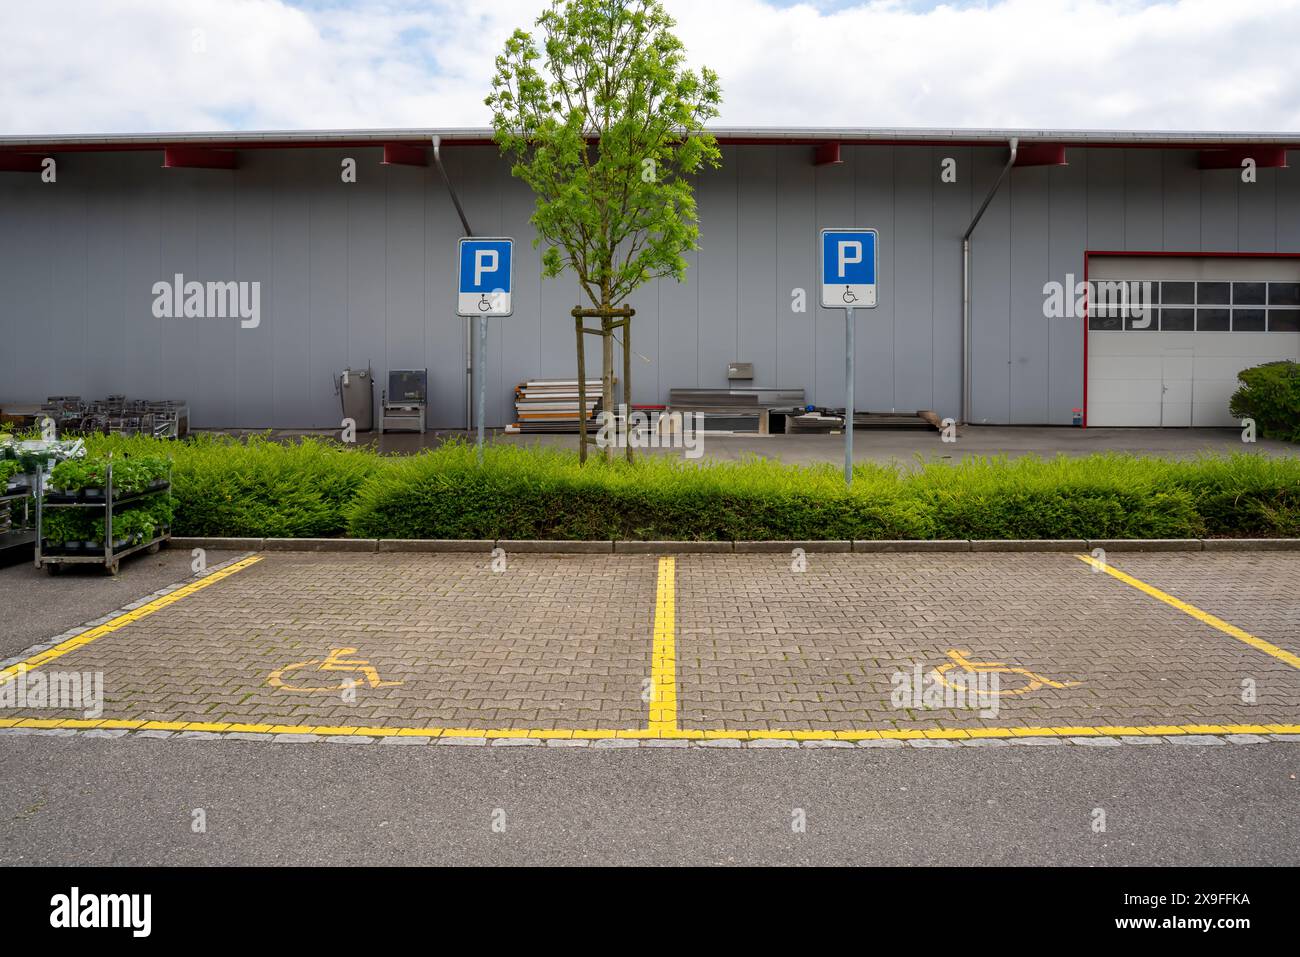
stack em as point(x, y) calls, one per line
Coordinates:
point(564, 642)
point(763, 647)
point(1258, 592)
point(552, 642)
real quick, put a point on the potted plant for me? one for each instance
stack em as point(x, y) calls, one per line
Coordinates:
point(8, 469)
point(64, 529)
point(94, 540)
point(68, 479)
point(94, 477)
point(136, 525)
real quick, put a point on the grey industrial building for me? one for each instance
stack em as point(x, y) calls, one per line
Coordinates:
point(362, 273)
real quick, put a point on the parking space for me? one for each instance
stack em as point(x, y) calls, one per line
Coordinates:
point(441, 641)
point(846, 646)
point(839, 646)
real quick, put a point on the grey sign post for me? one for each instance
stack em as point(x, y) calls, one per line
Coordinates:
point(486, 271)
point(850, 260)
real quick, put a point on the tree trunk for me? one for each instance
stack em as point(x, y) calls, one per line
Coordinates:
point(579, 323)
point(607, 381)
point(607, 369)
point(627, 375)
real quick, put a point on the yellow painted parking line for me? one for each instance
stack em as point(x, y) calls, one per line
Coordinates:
point(883, 734)
point(663, 656)
point(1204, 616)
point(108, 627)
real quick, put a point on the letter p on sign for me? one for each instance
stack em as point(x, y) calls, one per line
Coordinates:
point(850, 252)
point(482, 259)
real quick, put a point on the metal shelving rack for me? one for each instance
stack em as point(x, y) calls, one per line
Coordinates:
point(26, 533)
point(111, 556)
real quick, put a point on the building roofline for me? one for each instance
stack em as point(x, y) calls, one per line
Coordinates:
point(480, 136)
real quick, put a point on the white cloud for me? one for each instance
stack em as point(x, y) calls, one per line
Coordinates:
point(85, 66)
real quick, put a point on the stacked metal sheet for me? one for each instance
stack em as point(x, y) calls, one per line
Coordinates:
point(735, 411)
point(551, 405)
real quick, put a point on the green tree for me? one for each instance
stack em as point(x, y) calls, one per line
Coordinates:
point(606, 125)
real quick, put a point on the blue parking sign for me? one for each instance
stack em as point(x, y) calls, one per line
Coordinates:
point(485, 274)
point(849, 264)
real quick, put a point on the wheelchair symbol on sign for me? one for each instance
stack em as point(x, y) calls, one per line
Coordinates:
point(849, 295)
point(334, 661)
point(960, 660)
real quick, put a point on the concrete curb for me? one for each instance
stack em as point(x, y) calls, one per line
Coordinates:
point(1029, 545)
point(783, 547)
point(620, 547)
point(234, 544)
point(1147, 544)
point(1250, 544)
point(557, 546)
point(912, 545)
point(671, 548)
point(321, 545)
point(436, 544)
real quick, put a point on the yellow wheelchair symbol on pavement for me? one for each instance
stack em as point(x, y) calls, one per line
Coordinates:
point(334, 661)
point(961, 660)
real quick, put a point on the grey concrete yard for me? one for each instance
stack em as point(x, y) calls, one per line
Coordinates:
point(885, 445)
point(894, 444)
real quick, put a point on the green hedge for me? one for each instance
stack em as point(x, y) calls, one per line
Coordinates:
point(316, 488)
point(256, 487)
point(1270, 394)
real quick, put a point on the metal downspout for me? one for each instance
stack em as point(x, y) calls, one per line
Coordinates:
point(965, 284)
point(469, 329)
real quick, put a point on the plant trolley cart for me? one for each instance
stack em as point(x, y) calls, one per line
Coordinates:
point(112, 545)
point(21, 463)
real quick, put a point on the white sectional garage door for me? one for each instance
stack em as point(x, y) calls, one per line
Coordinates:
point(1176, 362)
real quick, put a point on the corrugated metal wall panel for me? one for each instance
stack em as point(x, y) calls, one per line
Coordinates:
point(295, 386)
point(916, 177)
point(1068, 231)
point(255, 354)
point(796, 271)
point(874, 361)
point(444, 342)
point(952, 212)
point(1030, 335)
point(364, 272)
point(762, 306)
point(991, 295)
point(1181, 193)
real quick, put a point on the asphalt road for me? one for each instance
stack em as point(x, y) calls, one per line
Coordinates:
point(86, 801)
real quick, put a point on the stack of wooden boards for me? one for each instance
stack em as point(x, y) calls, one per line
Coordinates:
point(551, 405)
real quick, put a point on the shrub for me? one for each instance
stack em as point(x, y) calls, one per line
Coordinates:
point(1101, 496)
point(225, 486)
point(1270, 394)
point(313, 487)
point(545, 493)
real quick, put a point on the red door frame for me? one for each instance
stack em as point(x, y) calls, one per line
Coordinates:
point(1088, 253)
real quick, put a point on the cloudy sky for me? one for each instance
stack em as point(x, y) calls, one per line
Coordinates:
point(119, 66)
